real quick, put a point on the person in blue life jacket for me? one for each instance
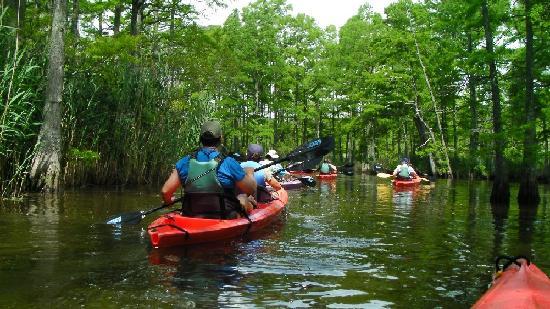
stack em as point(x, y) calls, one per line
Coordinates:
point(277, 170)
point(404, 170)
point(263, 177)
point(210, 180)
point(327, 167)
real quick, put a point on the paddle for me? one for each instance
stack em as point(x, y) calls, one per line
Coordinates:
point(308, 152)
point(306, 180)
point(318, 147)
point(385, 176)
point(135, 217)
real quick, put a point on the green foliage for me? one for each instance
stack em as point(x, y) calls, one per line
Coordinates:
point(133, 104)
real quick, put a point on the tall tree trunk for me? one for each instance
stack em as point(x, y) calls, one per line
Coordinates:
point(528, 186)
point(46, 166)
point(135, 16)
point(500, 193)
point(421, 126)
point(443, 143)
point(100, 23)
point(474, 130)
point(172, 17)
point(318, 106)
point(546, 149)
point(116, 20)
point(304, 123)
point(75, 16)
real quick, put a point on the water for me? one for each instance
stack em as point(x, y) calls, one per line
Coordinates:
point(353, 243)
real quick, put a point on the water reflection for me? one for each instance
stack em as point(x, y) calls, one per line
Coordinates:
point(500, 216)
point(215, 274)
point(327, 187)
point(527, 217)
point(355, 242)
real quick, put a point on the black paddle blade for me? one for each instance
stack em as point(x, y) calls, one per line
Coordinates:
point(130, 218)
point(313, 149)
point(305, 165)
point(308, 181)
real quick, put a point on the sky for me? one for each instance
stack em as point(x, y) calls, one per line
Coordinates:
point(325, 12)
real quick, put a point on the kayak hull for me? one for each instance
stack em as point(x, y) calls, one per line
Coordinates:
point(400, 183)
point(524, 286)
point(173, 229)
point(300, 173)
point(293, 184)
point(327, 176)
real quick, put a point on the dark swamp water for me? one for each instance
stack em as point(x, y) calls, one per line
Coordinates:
point(353, 243)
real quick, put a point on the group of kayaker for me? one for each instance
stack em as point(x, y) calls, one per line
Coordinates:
point(218, 186)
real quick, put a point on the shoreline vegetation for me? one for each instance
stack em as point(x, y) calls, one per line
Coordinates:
point(113, 93)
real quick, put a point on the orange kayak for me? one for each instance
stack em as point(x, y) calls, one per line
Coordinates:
point(520, 285)
point(174, 229)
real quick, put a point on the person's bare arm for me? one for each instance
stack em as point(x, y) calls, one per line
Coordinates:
point(248, 183)
point(274, 183)
point(170, 186)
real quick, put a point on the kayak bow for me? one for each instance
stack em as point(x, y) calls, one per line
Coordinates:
point(520, 285)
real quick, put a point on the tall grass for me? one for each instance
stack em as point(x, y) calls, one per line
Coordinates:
point(20, 80)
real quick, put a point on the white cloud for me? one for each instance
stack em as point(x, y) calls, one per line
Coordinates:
point(325, 12)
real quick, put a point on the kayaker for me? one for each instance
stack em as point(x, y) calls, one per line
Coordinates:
point(327, 168)
point(212, 195)
point(404, 170)
point(277, 170)
point(263, 177)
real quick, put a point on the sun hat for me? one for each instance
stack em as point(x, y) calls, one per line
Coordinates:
point(272, 153)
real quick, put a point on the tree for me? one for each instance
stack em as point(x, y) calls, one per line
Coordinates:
point(46, 166)
point(528, 187)
point(500, 193)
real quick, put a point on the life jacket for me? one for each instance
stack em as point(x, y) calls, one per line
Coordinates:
point(204, 195)
point(404, 171)
point(325, 168)
point(262, 194)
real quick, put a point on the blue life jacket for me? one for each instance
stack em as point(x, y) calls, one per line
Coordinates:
point(204, 195)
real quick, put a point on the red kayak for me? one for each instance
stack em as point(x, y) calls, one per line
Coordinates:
point(521, 285)
point(292, 184)
point(406, 183)
point(327, 176)
point(174, 229)
point(300, 173)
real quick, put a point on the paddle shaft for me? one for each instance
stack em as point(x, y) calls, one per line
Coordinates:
point(162, 206)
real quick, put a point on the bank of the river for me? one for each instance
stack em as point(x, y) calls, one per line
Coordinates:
point(353, 242)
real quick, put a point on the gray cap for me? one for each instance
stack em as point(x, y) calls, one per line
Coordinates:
point(254, 149)
point(211, 129)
